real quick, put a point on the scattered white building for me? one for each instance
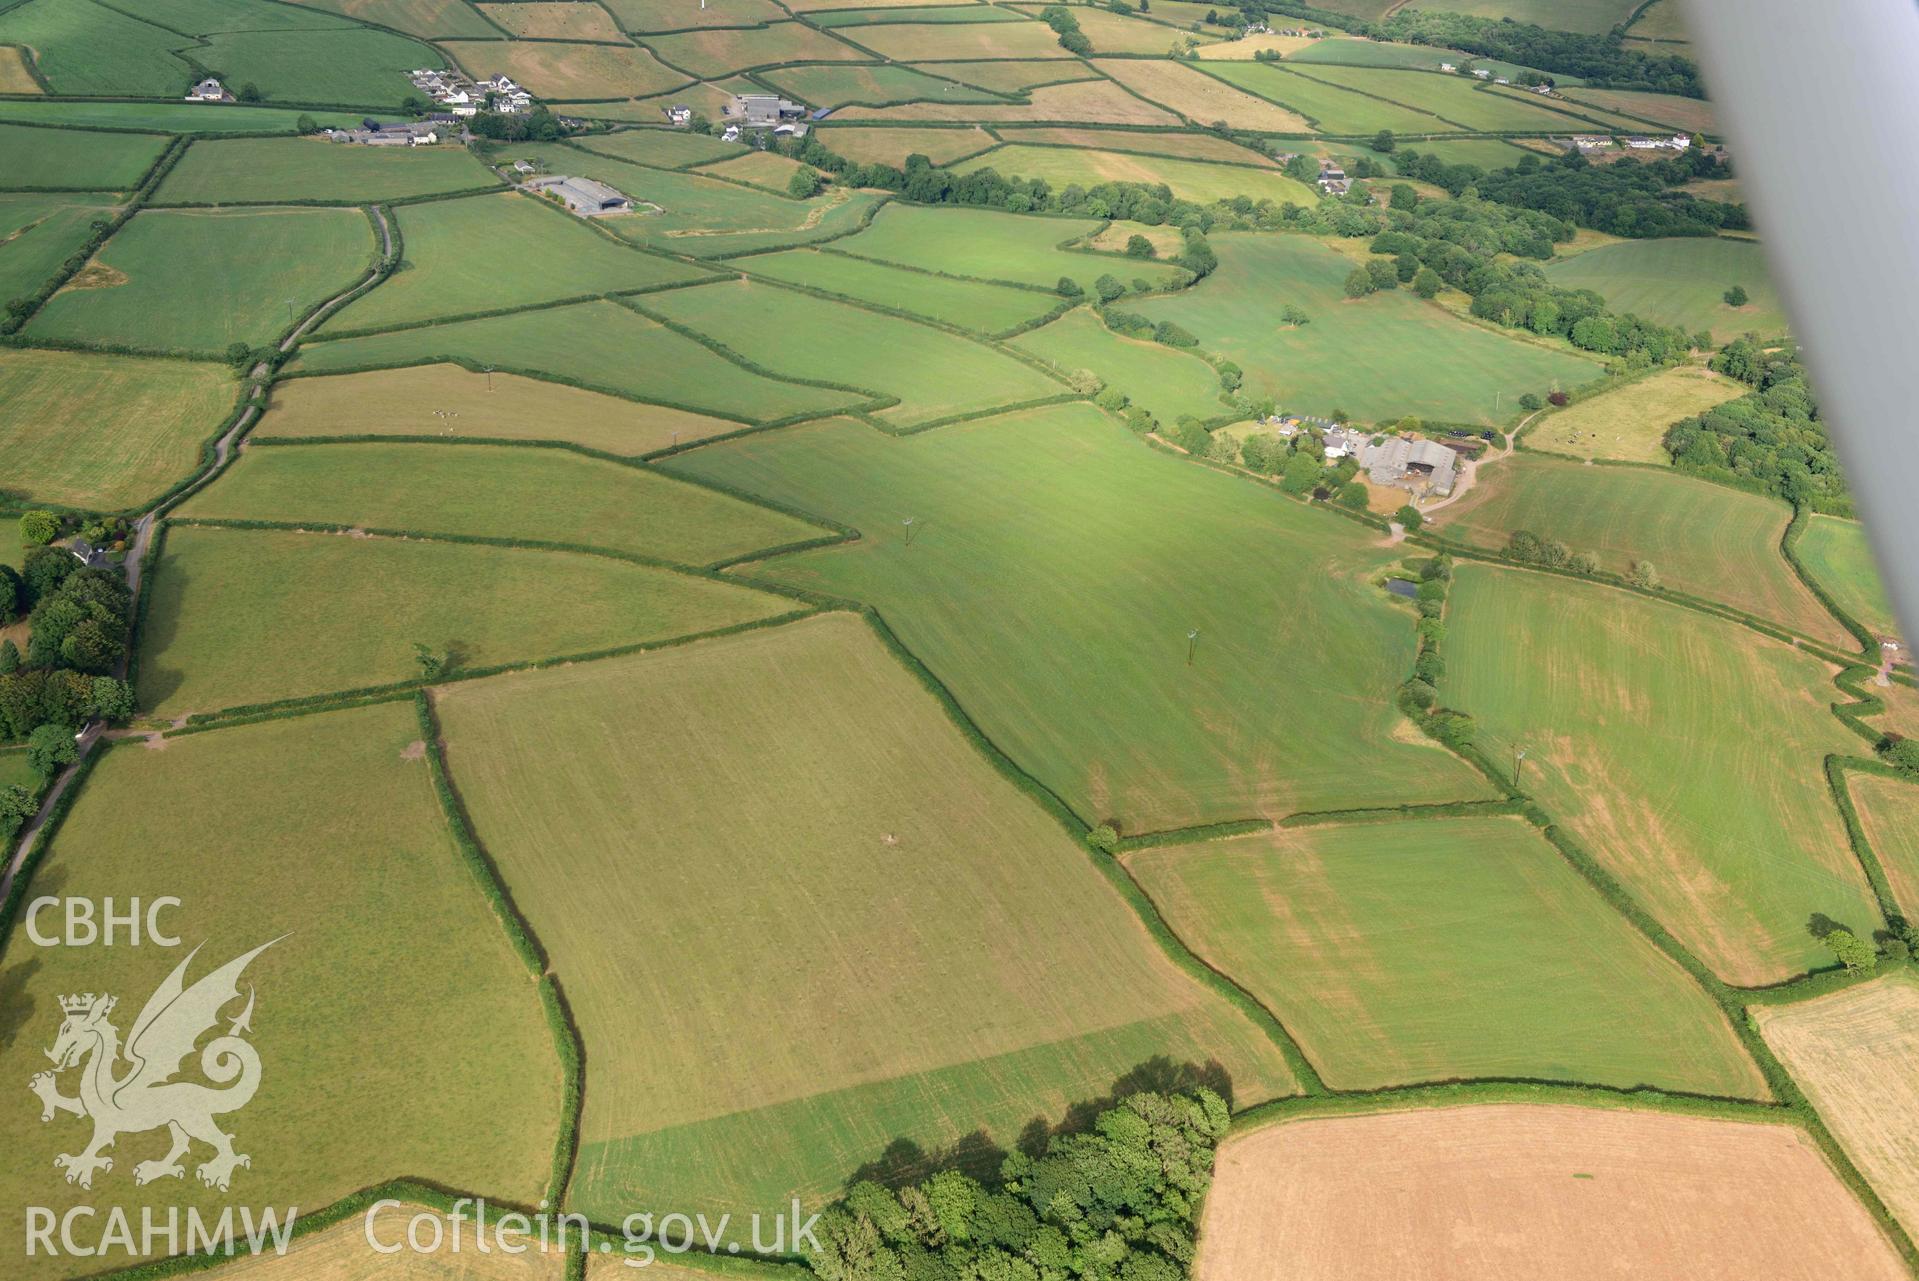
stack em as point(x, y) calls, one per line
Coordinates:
point(464, 97)
point(1678, 142)
point(1482, 73)
point(1589, 143)
point(209, 90)
point(406, 133)
point(680, 115)
point(1447, 66)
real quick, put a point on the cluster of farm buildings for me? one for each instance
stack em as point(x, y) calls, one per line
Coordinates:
point(464, 97)
point(1590, 144)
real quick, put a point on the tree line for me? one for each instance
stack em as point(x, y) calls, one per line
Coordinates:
point(1638, 199)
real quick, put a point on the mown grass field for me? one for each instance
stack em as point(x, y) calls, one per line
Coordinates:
point(352, 66)
point(489, 491)
point(1487, 153)
point(915, 42)
point(1457, 100)
point(1014, 76)
point(1594, 17)
point(91, 49)
point(879, 145)
point(1357, 51)
point(1706, 539)
point(764, 169)
point(721, 1078)
point(450, 267)
point(1178, 145)
point(664, 147)
point(1629, 424)
point(342, 1253)
point(1202, 97)
point(1196, 180)
point(1168, 382)
point(719, 51)
point(934, 374)
point(549, 21)
point(67, 158)
point(105, 432)
point(16, 73)
point(1684, 752)
point(988, 245)
point(197, 280)
point(38, 232)
point(1838, 556)
point(1680, 282)
point(266, 170)
point(1889, 813)
point(601, 345)
point(1118, 33)
point(383, 1030)
point(1080, 675)
point(564, 71)
point(875, 86)
point(430, 18)
point(671, 15)
point(171, 116)
point(446, 400)
point(1856, 1054)
point(1100, 100)
point(1445, 948)
point(1382, 357)
point(970, 304)
point(1688, 115)
point(251, 616)
point(830, 18)
point(1319, 105)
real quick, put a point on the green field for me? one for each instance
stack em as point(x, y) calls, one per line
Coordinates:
point(69, 158)
point(269, 170)
point(175, 117)
point(1594, 17)
point(14, 769)
point(1684, 752)
point(1680, 282)
point(1705, 539)
point(1429, 951)
point(831, 18)
point(250, 616)
point(1332, 109)
point(383, 1030)
point(450, 269)
point(994, 976)
point(204, 17)
point(195, 281)
point(1166, 381)
point(1889, 812)
point(105, 433)
point(486, 491)
point(1487, 153)
point(1382, 357)
point(828, 85)
point(1629, 422)
point(934, 374)
point(970, 304)
point(1835, 552)
point(1118, 551)
point(89, 49)
point(721, 51)
point(1357, 51)
point(37, 233)
point(1460, 101)
point(668, 148)
point(431, 18)
point(989, 245)
point(600, 345)
point(673, 15)
point(1196, 180)
point(354, 66)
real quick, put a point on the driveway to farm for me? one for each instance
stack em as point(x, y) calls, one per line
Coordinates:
point(1467, 481)
point(143, 535)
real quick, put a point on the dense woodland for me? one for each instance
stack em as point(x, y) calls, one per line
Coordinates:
point(1771, 439)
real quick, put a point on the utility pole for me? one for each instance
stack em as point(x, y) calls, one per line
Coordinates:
point(1519, 761)
point(908, 523)
point(489, 376)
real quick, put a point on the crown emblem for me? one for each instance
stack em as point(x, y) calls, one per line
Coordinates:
point(77, 1004)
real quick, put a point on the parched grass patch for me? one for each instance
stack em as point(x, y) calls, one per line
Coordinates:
point(767, 170)
point(989, 245)
point(446, 400)
point(557, 70)
point(882, 146)
point(1166, 381)
point(1705, 539)
point(676, 15)
point(353, 66)
point(391, 1012)
point(490, 491)
point(39, 232)
point(811, 6)
point(16, 73)
point(971, 304)
point(452, 264)
point(718, 1079)
point(582, 20)
point(1178, 145)
point(104, 432)
point(1629, 424)
point(1592, 17)
point(1117, 33)
point(1836, 553)
point(1680, 282)
point(668, 148)
point(1248, 48)
point(831, 18)
point(198, 280)
point(599, 345)
point(1196, 180)
point(1012, 76)
point(916, 42)
point(33, 157)
point(874, 86)
point(343, 1252)
point(1051, 584)
point(240, 617)
point(1331, 108)
point(172, 117)
point(92, 49)
point(1856, 1054)
point(434, 19)
point(1358, 51)
point(720, 51)
point(1098, 101)
point(934, 374)
point(1684, 752)
point(1383, 357)
point(1688, 115)
point(1889, 813)
point(1440, 949)
point(265, 170)
point(1458, 100)
point(1202, 97)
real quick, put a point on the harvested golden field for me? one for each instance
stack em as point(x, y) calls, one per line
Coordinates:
point(1629, 423)
point(1010, 77)
point(570, 71)
point(1690, 115)
point(1186, 146)
point(446, 400)
point(1117, 33)
point(1247, 47)
point(1889, 812)
point(883, 146)
point(1200, 98)
point(1856, 1055)
point(720, 51)
point(343, 1253)
point(14, 75)
point(911, 42)
point(1098, 101)
point(570, 20)
point(1511, 1192)
point(1902, 708)
point(809, 6)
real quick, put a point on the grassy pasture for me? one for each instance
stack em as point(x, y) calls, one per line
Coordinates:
point(434, 400)
point(1487, 153)
point(989, 245)
point(892, 146)
point(1428, 951)
point(877, 85)
point(1683, 751)
point(1197, 180)
point(1680, 282)
point(1889, 812)
point(1166, 381)
point(1688, 115)
point(1837, 554)
point(543, 495)
point(1593, 17)
point(431, 18)
point(385, 1026)
point(1204, 98)
point(1116, 33)
point(1706, 539)
point(104, 432)
point(599, 344)
point(266, 170)
point(354, 66)
point(1856, 1054)
point(1099, 101)
point(1629, 424)
point(1902, 709)
point(811, 6)
point(87, 49)
point(916, 42)
point(1079, 673)
point(1329, 108)
point(1357, 51)
point(933, 373)
point(832, 18)
point(173, 117)
point(720, 51)
point(565, 71)
point(767, 170)
point(1458, 100)
point(1383, 357)
point(1179, 146)
point(205, 17)
point(674, 15)
point(38, 233)
point(970, 304)
point(720, 1079)
point(1012, 76)
point(31, 157)
point(248, 616)
point(249, 274)
point(549, 21)
point(450, 267)
point(667, 148)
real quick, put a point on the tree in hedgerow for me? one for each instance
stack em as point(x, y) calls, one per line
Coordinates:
point(1531, 403)
point(1352, 496)
point(1736, 296)
point(49, 748)
point(1903, 754)
point(1138, 246)
point(1109, 287)
point(804, 184)
point(1104, 839)
point(1853, 952)
point(1069, 288)
point(1359, 283)
point(1409, 517)
point(1383, 141)
point(432, 666)
point(1427, 283)
point(1644, 574)
point(38, 528)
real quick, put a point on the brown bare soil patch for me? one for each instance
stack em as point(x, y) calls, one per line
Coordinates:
point(414, 751)
point(96, 275)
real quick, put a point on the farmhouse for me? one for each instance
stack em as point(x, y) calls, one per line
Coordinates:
point(88, 555)
point(1333, 180)
point(758, 110)
point(583, 196)
point(1678, 142)
point(679, 114)
point(1588, 143)
point(1410, 464)
point(372, 133)
point(209, 90)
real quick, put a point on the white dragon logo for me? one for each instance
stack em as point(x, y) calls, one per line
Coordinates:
point(146, 1097)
